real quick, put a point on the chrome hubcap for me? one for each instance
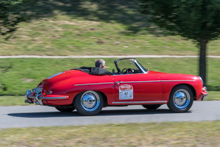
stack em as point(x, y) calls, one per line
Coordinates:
point(90, 101)
point(181, 98)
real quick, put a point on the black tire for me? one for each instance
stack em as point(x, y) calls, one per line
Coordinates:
point(181, 99)
point(65, 108)
point(89, 103)
point(152, 107)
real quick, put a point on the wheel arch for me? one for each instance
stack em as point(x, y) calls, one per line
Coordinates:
point(188, 85)
point(104, 98)
point(101, 93)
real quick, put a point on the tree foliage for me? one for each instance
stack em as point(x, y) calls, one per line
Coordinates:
point(198, 20)
point(10, 14)
point(194, 19)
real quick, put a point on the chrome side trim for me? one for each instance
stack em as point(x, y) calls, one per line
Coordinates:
point(142, 102)
point(52, 98)
point(155, 81)
point(94, 84)
point(48, 98)
point(133, 82)
point(139, 81)
point(176, 80)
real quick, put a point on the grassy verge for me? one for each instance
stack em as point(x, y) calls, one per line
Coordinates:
point(213, 96)
point(151, 134)
point(93, 27)
point(28, 73)
point(12, 101)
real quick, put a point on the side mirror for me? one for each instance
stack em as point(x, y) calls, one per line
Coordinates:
point(113, 70)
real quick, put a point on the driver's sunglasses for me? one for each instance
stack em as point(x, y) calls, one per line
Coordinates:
point(103, 66)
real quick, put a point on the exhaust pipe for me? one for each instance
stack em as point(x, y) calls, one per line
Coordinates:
point(27, 101)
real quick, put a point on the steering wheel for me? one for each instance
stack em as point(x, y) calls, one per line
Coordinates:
point(123, 70)
point(129, 71)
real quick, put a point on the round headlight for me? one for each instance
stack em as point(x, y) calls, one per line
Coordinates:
point(201, 80)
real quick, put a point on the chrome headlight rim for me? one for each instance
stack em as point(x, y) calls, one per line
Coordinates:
point(201, 81)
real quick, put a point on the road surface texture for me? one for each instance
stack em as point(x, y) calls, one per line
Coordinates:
point(109, 56)
point(37, 116)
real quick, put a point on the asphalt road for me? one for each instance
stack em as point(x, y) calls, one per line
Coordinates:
point(37, 116)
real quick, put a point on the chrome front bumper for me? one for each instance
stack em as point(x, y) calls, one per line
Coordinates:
point(204, 93)
point(38, 97)
point(204, 96)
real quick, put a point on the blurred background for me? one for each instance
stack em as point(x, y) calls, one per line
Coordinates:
point(92, 27)
point(109, 28)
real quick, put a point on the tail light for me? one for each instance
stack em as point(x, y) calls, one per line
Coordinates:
point(46, 92)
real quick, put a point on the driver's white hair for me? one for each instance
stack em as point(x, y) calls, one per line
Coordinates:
point(99, 62)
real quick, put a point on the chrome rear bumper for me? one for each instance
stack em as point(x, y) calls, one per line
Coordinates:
point(27, 100)
point(38, 97)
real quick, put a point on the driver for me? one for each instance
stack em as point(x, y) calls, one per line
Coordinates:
point(100, 63)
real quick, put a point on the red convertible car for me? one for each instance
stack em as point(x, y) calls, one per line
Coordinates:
point(89, 89)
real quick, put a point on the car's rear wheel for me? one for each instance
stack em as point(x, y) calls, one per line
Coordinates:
point(181, 99)
point(152, 107)
point(65, 108)
point(88, 103)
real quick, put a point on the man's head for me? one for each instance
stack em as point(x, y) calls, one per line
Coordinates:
point(100, 63)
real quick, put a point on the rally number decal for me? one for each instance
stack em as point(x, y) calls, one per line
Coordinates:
point(125, 92)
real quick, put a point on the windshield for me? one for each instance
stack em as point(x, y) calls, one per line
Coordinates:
point(123, 64)
point(145, 70)
point(126, 63)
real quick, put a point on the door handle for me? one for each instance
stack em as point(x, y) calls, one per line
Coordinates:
point(118, 82)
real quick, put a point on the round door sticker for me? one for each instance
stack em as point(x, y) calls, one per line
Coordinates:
point(125, 92)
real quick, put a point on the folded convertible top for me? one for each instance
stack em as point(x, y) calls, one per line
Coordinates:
point(94, 70)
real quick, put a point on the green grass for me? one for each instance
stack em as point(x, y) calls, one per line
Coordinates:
point(182, 134)
point(28, 73)
point(93, 27)
point(12, 101)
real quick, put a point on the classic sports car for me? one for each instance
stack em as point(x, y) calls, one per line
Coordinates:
point(89, 89)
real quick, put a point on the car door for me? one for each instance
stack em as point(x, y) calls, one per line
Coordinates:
point(137, 87)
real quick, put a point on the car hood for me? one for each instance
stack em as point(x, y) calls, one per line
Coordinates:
point(155, 72)
point(173, 76)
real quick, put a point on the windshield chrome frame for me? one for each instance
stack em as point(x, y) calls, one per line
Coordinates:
point(136, 63)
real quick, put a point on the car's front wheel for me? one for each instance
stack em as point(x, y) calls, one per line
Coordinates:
point(65, 108)
point(181, 99)
point(88, 103)
point(152, 107)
